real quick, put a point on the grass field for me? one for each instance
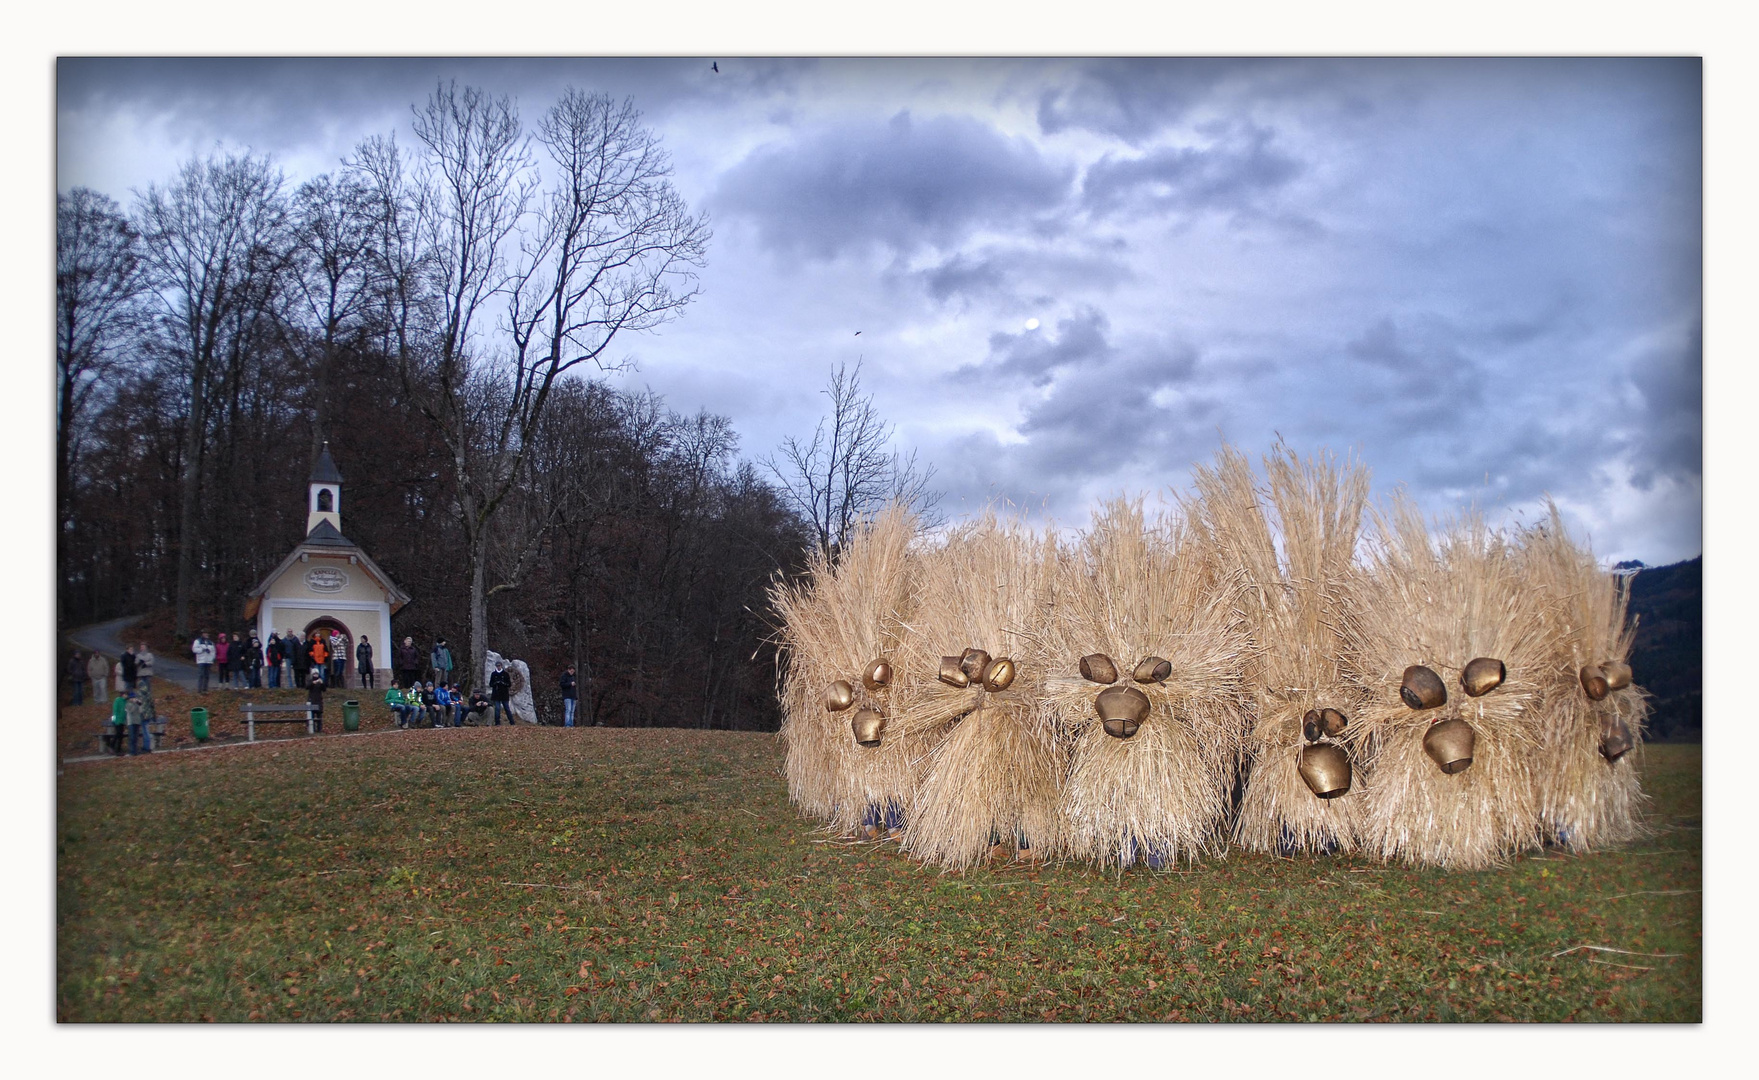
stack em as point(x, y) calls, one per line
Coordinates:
point(628, 875)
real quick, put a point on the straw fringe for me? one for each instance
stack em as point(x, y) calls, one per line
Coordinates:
point(994, 766)
point(1297, 607)
point(1441, 604)
point(1133, 591)
point(1586, 802)
point(843, 618)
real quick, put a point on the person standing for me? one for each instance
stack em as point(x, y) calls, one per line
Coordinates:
point(363, 663)
point(338, 659)
point(500, 690)
point(241, 660)
point(314, 698)
point(253, 663)
point(570, 696)
point(320, 655)
point(118, 723)
point(408, 663)
point(440, 659)
point(222, 657)
point(99, 670)
point(76, 674)
point(204, 661)
point(135, 713)
point(128, 668)
point(289, 658)
point(143, 668)
point(272, 657)
point(298, 663)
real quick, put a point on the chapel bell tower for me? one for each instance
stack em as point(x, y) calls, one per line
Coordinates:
point(324, 501)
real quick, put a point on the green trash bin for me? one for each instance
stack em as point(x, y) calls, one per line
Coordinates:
point(351, 716)
point(198, 723)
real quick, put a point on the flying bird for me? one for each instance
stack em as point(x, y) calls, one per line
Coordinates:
point(715, 67)
point(857, 333)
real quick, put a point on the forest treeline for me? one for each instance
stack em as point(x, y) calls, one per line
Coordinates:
point(441, 315)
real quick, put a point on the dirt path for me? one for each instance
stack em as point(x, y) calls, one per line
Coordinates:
point(106, 638)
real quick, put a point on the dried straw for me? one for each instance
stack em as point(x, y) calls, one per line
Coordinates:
point(1132, 592)
point(1296, 609)
point(1585, 801)
point(846, 616)
point(994, 766)
point(1442, 605)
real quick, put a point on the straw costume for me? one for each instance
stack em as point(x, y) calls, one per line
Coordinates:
point(842, 635)
point(1588, 788)
point(973, 675)
point(1146, 684)
point(1304, 750)
point(1452, 658)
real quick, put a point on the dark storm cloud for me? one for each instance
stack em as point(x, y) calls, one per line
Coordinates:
point(1113, 417)
point(1134, 99)
point(1227, 175)
point(1027, 274)
point(903, 183)
point(1669, 441)
point(1080, 339)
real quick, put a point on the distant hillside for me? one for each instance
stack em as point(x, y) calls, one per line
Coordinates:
point(1668, 603)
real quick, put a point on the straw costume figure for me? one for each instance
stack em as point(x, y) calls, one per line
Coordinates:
point(1592, 713)
point(1147, 684)
point(973, 672)
point(1304, 750)
point(1452, 659)
point(842, 637)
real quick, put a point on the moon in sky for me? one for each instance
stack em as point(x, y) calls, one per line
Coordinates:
point(1032, 324)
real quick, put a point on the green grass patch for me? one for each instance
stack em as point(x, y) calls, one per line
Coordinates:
point(626, 875)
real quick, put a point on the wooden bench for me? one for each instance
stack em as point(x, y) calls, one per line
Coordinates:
point(251, 721)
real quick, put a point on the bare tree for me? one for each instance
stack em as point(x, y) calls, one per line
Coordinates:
point(97, 280)
point(610, 247)
point(212, 242)
point(848, 470)
point(334, 227)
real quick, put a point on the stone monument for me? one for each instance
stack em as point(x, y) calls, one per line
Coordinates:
point(519, 697)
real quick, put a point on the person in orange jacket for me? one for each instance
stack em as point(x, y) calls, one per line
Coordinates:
point(320, 654)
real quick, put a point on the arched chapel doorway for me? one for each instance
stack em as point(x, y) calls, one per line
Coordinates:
point(327, 624)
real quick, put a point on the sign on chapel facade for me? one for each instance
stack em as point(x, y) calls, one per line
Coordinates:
point(328, 582)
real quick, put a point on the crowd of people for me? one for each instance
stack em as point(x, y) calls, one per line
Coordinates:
point(423, 694)
point(132, 716)
point(242, 661)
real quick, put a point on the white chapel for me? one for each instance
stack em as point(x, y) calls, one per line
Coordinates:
point(328, 582)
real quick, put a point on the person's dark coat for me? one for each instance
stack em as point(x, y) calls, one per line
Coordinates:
point(566, 682)
point(500, 685)
point(128, 665)
point(408, 658)
point(363, 656)
point(273, 651)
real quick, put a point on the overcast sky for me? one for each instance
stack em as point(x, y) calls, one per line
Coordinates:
point(1075, 278)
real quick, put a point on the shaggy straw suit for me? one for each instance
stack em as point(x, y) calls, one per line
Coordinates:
point(1296, 609)
point(1256, 670)
point(1136, 604)
point(995, 775)
point(836, 626)
point(1440, 603)
point(1588, 792)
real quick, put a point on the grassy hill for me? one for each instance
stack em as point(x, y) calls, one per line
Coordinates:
point(609, 874)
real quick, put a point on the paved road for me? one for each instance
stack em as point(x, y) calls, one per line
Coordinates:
point(106, 637)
